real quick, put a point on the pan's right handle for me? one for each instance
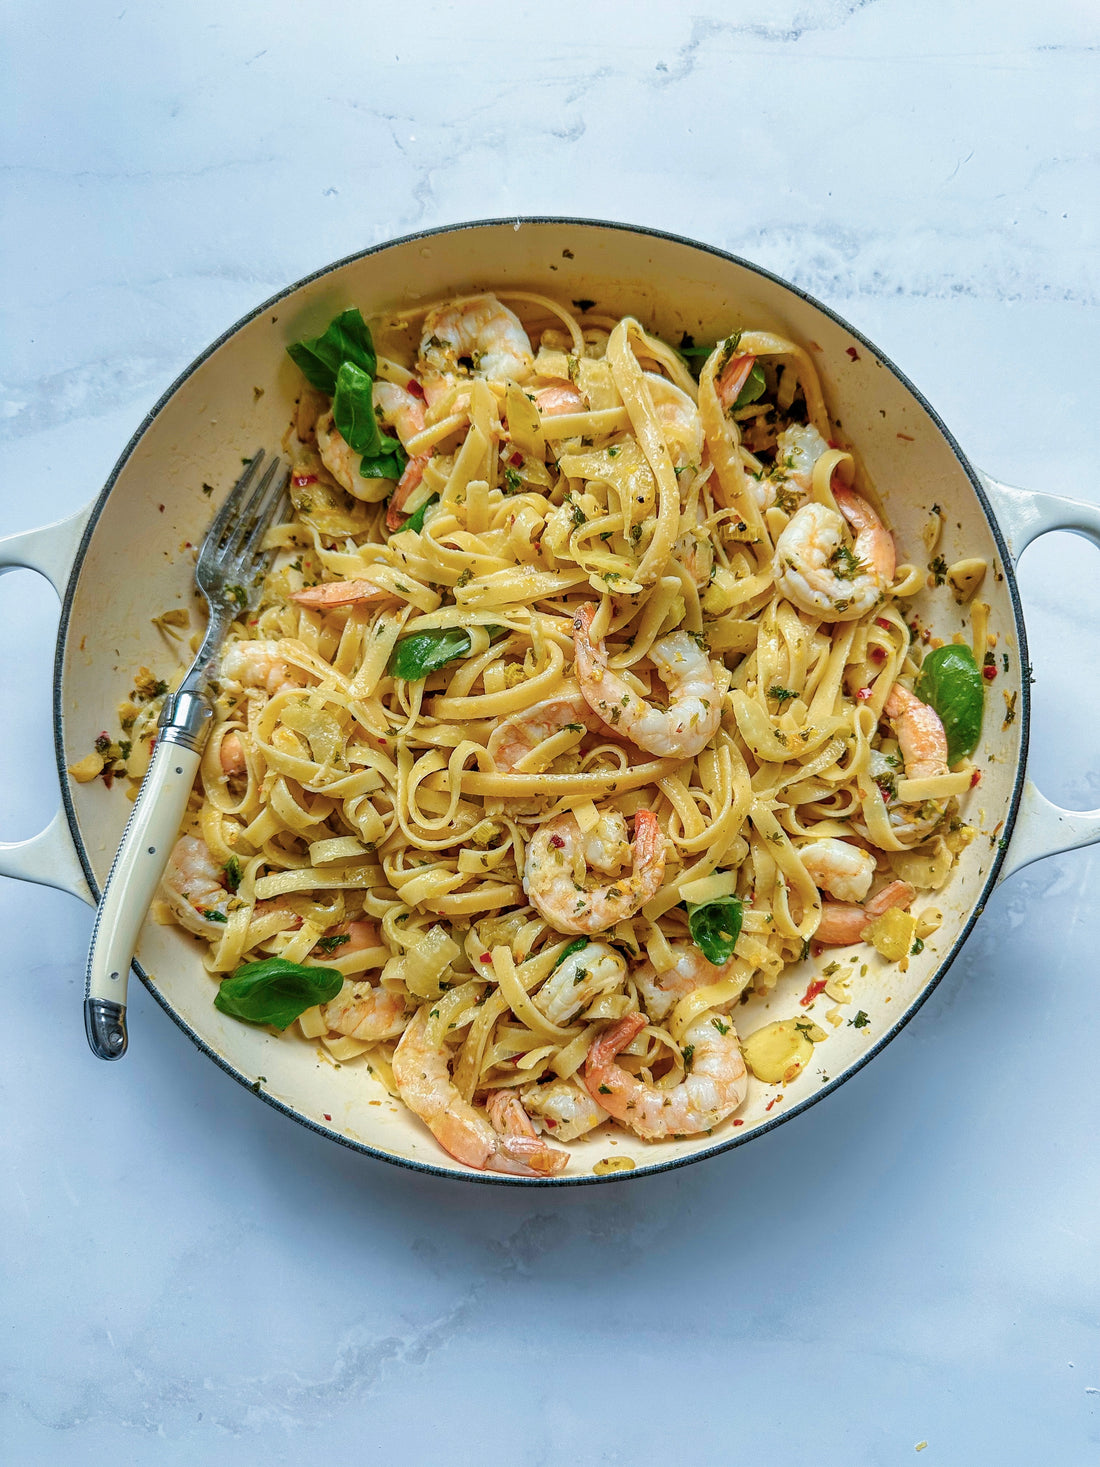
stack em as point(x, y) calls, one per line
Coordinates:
point(48, 858)
point(1043, 828)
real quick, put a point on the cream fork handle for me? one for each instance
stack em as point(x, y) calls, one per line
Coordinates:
point(146, 845)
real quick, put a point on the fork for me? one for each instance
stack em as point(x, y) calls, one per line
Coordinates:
point(229, 573)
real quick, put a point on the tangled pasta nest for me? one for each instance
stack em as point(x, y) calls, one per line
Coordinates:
point(575, 708)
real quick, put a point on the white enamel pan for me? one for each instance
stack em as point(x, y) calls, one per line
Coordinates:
point(119, 561)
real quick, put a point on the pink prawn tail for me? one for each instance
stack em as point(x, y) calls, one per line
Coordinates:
point(607, 1046)
point(877, 542)
point(897, 894)
point(414, 472)
point(733, 378)
point(649, 854)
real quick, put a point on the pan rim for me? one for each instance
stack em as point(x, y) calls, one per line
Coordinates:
point(988, 883)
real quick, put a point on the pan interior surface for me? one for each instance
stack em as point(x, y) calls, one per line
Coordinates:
point(137, 562)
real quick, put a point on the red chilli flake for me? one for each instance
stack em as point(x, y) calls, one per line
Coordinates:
point(739, 1123)
point(878, 654)
point(989, 673)
point(301, 480)
point(975, 778)
point(907, 437)
point(880, 621)
point(326, 1115)
point(516, 460)
point(771, 1103)
point(557, 842)
point(414, 388)
point(486, 957)
point(816, 987)
point(863, 695)
point(850, 351)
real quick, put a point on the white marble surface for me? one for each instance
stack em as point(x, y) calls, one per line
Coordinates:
point(187, 1276)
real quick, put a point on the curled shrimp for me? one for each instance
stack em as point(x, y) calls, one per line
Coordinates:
point(842, 923)
point(193, 884)
point(481, 330)
point(681, 425)
point(690, 721)
point(422, 1075)
point(364, 1010)
point(257, 664)
point(821, 573)
point(560, 397)
point(231, 756)
point(515, 738)
point(690, 970)
point(340, 593)
point(843, 870)
point(797, 449)
point(578, 979)
point(921, 736)
point(562, 1108)
point(713, 1087)
point(732, 378)
point(559, 853)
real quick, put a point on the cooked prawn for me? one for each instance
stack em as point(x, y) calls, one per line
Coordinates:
point(562, 1107)
point(423, 1079)
point(713, 1087)
point(560, 397)
point(842, 923)
point(337, 455)
point(690, 970)
point(194, 886)
point(821, 573)
point(690, 721)
point(510, 1120)
point(340, 593)
point(558, 854)
point(364, 1010)
point(257, 664)
point(481, 330)
point(921, 736)
point(797, 449)
point(733, 377)
point(578, 979)
point(843, 870)
point(681, 425)
point(231, 756)
point(515, 738)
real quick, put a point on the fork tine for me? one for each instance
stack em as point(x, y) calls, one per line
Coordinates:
point(230, 552)
point(229, 508)
point(264, 519)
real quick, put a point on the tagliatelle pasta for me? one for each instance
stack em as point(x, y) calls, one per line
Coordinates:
point(576, 707)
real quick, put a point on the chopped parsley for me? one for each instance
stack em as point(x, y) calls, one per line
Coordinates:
point(232, 869)
point(782, 695)
point(859, 1022)
point(330, 944)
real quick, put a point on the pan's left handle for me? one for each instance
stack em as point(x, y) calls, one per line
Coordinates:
point(48, 858)
point(1043, 828)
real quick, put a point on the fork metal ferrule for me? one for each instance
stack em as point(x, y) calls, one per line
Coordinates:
point(185, 719)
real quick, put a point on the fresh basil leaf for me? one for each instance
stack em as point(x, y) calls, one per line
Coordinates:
point(715, 927)
point(755, 387)
point(388, 463)
point(573, 947)
point(353, 409)
point(950, 681)
point(420, 653)
point(347, 338)
point(275, 991)
point(416, 521)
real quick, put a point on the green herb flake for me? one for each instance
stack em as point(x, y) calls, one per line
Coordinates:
point(577, 945)
point(782, 695)
point(859, 1022)
point(232, 869)
point(330, 944)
